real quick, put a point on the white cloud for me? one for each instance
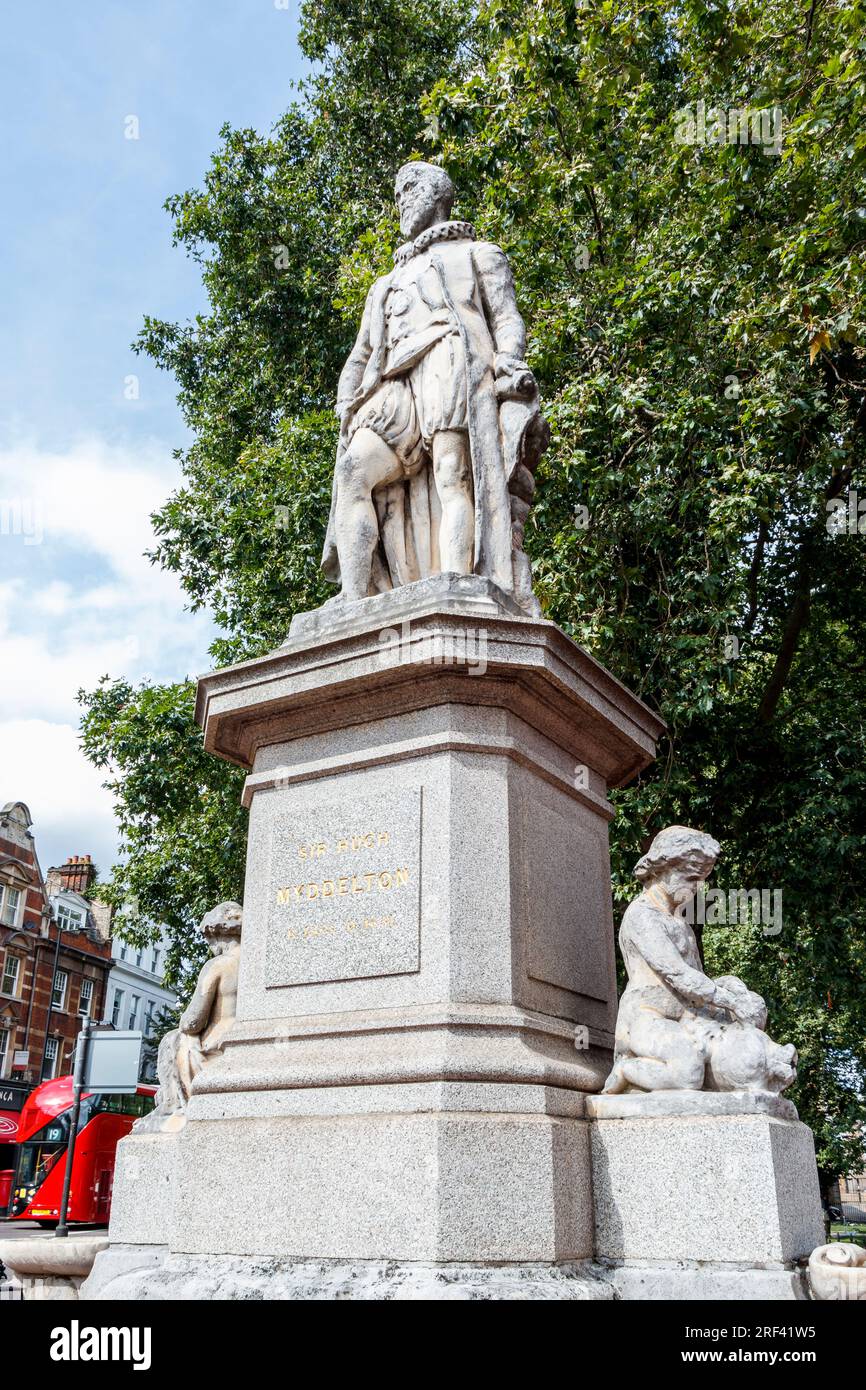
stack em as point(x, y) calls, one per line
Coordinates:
point(96, 496)
point(79, 600)
point(42, 765)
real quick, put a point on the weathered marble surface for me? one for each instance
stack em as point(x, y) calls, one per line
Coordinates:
point(837, 1273)
point(677, 1029)
point(704, 1182)
point(660, 1104)
point(441, 430)
point(472, 594)
point(123, 1274)
point(51, 1270)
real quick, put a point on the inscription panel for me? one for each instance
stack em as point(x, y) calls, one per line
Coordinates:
point(568, 900)
point(344, 891)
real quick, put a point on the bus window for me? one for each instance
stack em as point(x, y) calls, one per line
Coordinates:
point(122, 1105)
point(109, 1105)
point(36, 1162)
point(138, 1105)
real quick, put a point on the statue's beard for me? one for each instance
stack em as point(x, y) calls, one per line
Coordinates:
point(419, 218)
point(416, 224)
point(682, 898)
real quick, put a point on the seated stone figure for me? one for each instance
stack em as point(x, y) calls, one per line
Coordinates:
point(204, 1023)
point(677, 1029)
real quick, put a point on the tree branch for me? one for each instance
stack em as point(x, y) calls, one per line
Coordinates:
point(798, 617)
point(754, 571)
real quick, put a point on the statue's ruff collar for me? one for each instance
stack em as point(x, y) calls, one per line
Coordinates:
point(440, 231)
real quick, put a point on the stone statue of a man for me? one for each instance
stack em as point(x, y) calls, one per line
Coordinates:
point(205, 1021)
point(677, 1029)
point(441, 430)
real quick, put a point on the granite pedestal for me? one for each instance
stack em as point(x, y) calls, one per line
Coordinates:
point(702, 1195)
point(427, 987)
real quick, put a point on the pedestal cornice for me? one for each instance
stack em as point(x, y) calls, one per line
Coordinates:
point(526, 666)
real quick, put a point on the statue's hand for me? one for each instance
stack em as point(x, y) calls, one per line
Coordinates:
point(742, 1003)
point(751, 1009)
point(513, 377)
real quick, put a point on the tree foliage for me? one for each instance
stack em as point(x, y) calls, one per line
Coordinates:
point(696, 321)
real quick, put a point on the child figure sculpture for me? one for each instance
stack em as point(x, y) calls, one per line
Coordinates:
point(678, 1029)
point(204, 1023)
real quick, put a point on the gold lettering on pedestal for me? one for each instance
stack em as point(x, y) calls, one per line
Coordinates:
point(343, 892)
point(344, 885)
point(353, 844)
point(330, 888)
point(354, 927)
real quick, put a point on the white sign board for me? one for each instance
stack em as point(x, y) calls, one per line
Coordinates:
point(113, 1062)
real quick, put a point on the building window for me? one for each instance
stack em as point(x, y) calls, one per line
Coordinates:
point(68, 919)
point(116, 1007)
point(58, 997)
point(85, 1002)
point(11, 972)
point(123, 953)
point(156, 955)
point(52, 1058)
point(133, 1009)
point(138, 956)
point(5, 1050)
point(10, 899)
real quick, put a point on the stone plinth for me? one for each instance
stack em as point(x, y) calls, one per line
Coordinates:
point(51, 1270)
point(144, 1195)
point(716, 1204)
point(427, 988)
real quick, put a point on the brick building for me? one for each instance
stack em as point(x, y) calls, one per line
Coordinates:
point(51, 971)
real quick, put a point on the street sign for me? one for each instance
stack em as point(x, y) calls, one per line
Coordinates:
point(113, 1059)
point(105, 1061)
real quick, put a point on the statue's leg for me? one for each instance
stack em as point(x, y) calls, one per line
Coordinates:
point(452, 470)
point(390, 509)
point(184, 1067)
point(367, 463)
point(168, 1097)
point(665, 1058)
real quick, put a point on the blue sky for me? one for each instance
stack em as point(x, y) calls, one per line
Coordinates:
point(85, 454)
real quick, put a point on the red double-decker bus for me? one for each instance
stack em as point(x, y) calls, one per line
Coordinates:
point(43, 1133)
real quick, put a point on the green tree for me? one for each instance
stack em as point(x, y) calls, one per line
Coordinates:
point(696, 320)
point(179, 814)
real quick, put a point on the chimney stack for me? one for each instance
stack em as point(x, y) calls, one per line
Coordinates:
point(77, 874)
